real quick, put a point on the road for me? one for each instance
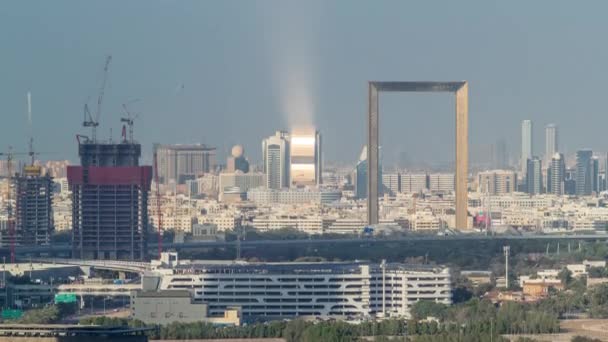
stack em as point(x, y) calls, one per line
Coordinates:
point(66, 248)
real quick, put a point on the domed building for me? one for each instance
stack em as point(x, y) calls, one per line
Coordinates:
point(237, 160)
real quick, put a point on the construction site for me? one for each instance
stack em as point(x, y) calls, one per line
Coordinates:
point(109, 192)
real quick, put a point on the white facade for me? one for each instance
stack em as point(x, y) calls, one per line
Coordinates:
point(293, 196)
point(310, 225)
point(441, 182)
point(497, 182)
point(551, 142)
point(413, 182)
point(390, 181)
point(308, 289)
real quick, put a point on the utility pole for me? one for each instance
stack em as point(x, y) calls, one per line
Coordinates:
point(507, 252)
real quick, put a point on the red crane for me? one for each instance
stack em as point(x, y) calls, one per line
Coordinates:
point(159, 213)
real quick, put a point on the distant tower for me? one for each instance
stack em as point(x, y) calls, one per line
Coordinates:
point(237, 160)
point(595, 174)
point(180, 163)
point(305, 158)
point(500, 158)
point(275, 155)
point(526, 144)
point(534, 180)
point(551, 141)
point(557, 175)
point(361, 175)
point(584, 173)
point(109, 202)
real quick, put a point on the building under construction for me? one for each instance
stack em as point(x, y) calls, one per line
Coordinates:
point(33, 207)
point(109, 201)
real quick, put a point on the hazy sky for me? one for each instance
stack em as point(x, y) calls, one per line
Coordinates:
point(226, 72)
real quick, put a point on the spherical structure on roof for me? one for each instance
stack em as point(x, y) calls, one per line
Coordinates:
point(237, 151)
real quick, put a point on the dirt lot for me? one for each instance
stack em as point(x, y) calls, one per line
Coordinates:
point(594, 328)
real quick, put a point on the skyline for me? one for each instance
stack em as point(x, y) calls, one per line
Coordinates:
point(237, 90)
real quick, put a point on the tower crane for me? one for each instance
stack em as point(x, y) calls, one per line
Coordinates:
point(88, 118)
point(10, 156)
point(129, 120)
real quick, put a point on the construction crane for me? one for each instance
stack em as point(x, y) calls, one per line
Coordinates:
point(129, 120)
point(9, 206)
point(158, 207)
point(88, 118)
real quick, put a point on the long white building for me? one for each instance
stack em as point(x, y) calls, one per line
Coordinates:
point(333, 289)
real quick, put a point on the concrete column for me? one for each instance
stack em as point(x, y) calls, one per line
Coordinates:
point(462, 155)
point(372, 156)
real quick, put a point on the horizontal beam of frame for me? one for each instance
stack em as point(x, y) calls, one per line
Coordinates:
point(418, 86)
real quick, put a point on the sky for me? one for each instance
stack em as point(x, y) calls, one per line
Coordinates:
point(232, 72)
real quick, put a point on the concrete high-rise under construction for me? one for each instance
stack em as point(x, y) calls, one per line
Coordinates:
point(109, 201)
point(33, 209)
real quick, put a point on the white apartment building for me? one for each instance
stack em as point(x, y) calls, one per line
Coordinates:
point(390, 181)
point(413, 182)
point(497, 182)
point(243, 181)
point(443, 182)
point(293, 196)
point(310, 225)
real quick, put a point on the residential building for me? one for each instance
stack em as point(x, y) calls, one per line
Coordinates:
point(497, 182)
point(179, 163)
point(34, 223)
point(413, 182)
point(293, 196)
point(243, 181)
point(442, 182)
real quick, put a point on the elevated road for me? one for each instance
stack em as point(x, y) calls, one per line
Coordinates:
point(64, 249)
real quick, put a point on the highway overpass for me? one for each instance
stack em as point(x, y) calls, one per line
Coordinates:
point(65, 249)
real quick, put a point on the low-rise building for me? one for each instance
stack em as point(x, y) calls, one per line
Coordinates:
point(541, 287)
point(165, 307)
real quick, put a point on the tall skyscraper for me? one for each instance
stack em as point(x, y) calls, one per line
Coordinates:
point(33, 210)
point(109, 202)
point(275, 155)
point(551, 141)
point(179, 163)
point(534, 176)
point(500, 156)
point(305, 158)
point(557, 175)
point(526, 144)
point(584, 173)
point(360, 175)
point(606, 173)
point(595, 174)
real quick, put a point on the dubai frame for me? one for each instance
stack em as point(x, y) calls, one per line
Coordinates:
point(461, 90)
